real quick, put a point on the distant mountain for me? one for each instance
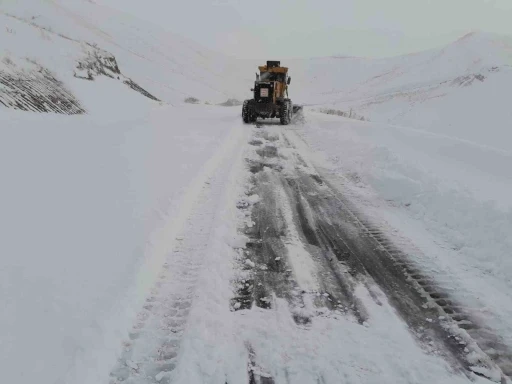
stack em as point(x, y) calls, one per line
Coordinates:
point(461, 90)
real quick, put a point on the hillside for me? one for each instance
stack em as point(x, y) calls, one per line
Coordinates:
point(63, 45)
point(461, 90)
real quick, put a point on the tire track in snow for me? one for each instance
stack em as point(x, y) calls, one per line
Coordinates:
point(412, 291)
point(288, 260)
point(279, 262)
point(276, 260)
point(347, 251)
point(151, 352)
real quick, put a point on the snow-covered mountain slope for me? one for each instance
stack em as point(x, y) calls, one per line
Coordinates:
point(60, 45)
point(461, 90)
point(92, 202)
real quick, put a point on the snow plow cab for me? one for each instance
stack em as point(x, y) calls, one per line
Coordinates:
point(270, 95)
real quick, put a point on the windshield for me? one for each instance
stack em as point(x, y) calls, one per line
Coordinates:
point(270, 76)
point(265, 76)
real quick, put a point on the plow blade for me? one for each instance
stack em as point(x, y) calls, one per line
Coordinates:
point(297, 108)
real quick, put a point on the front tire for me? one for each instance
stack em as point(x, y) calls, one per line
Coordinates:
point(285, 114)
point(247, 115)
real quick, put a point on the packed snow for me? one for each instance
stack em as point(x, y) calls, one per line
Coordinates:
point(89, 210)
point(450, 197)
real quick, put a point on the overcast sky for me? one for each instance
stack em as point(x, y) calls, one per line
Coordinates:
point(305, 28)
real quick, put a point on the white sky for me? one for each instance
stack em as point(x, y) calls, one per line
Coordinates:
point(304, 28)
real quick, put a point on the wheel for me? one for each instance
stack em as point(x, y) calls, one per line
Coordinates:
point(245, 112)
point(247, 115)
point(285, 114)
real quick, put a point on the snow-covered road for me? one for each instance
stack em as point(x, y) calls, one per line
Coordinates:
point(227, 253)
point(445, 200)
point(280, 276)
point(153, 349)
point(321, 270)
point(91, 208)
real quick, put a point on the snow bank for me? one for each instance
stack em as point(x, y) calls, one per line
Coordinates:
point(82, 201)
point(450, 196)
point(212, 350)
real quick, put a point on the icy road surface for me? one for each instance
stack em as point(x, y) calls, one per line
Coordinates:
point(277, 277)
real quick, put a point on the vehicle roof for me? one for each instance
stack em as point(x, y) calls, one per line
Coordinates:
point(263, 68)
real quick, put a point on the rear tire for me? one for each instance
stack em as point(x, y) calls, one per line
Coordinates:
point(285, 114)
